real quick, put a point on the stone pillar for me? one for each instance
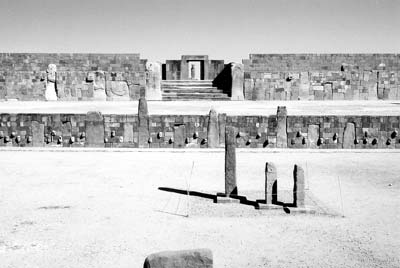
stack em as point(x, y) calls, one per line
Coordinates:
point(37, 134)
point(271, 183)
point(144, 124)
point(230, 162)
point(153, 81)
point(94, 125)
point(51, 77)
point(281, 132)
point(237, 72)
point(313, 136)
point(298, 187)
point(349, 136)
point(212, 130)
point(179, 136)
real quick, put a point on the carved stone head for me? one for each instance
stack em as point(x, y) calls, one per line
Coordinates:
point(99, 82)
point(51, 73)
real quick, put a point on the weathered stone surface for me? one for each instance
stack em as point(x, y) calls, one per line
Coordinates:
point(99, 86)
point(153, 81)
point(144, 124)
point(50, 93)
point(313, 136)
point(349, 136)
point(37, 134)
point(237, 70)
point(117, 90)
point(128, 132)
point(94, 125)
point(179, 136)
point(298, 187)
point(230, 162)
point(281, 131)
point(196, 258)
point(212, 130)
point(271, 183)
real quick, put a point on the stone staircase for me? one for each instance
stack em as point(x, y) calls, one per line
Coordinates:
point(191, 90)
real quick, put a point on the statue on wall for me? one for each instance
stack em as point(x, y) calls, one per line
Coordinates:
point(118, 90)
point(153, 81)
point(51, 73)
point(99, 86)
point(192, 72)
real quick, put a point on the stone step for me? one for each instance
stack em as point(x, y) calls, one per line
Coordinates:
point(191, 90)
point(194, 99)
point(187, 81)
point(187, 87)
point(194, 95)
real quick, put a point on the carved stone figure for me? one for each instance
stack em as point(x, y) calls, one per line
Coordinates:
point(99, 86)
point(50, 93)
point(118, 90)
point(153, 81)
point(237, 72)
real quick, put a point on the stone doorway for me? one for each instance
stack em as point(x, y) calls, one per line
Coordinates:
point(195, 69)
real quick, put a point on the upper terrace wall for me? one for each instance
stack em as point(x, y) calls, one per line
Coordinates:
point(23, 75)
point(322, 76)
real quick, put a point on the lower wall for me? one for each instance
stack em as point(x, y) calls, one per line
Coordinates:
point(183, 131)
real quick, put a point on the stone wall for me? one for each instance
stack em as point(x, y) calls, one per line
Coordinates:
point(23, 75)
point(322, 77)
point(190, 131)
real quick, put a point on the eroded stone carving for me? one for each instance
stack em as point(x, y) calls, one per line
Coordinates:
point(153, 81)
point(99, 86)
point(118, 90)
point(51, 76)
point(237, 71)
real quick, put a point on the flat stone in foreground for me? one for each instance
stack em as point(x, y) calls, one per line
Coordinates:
point(195, 258)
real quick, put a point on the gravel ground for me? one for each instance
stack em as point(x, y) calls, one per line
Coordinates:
point(338, 108)
point(104, 209)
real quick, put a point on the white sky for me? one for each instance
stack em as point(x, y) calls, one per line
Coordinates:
point(223, 29)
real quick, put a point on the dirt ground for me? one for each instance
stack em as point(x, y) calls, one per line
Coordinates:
point(104, 209)
point(338, 108)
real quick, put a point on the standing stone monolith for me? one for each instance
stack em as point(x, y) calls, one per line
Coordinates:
point(94, 125)
point(37, 134)
point(281, 131)
point(298, 187)
point(144, 124)
point(237, 72)
point(313, 136)
point(153, 81)
point(212, 130)
point(230, 162)
point(51, 77)
point(271, 183)
point(179, 136)
point(349, 136)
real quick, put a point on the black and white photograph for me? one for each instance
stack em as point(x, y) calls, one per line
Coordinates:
point(200, 134)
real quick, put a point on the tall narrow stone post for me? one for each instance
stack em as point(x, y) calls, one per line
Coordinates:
point(271, 188)
point(281, 131)
point(271, 183)
point(143, 128)
point(230, 162)
point(212, 130)
point(298, 187)
point(230, 168)
point(153, 81)
point(237, 73)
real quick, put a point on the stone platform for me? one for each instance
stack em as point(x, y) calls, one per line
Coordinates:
point(372, 108)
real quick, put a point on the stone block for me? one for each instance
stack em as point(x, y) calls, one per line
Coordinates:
point(94, 129)
point(196, 258)
point(349, 136)
point(179, 136)
point(212, 130)
point(143, 124)
point(37, 134)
